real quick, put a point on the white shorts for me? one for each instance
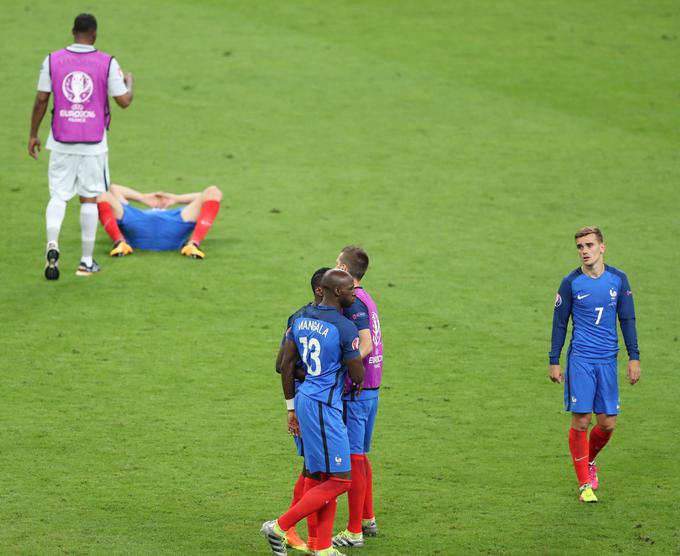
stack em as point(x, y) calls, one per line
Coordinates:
point(71, 174)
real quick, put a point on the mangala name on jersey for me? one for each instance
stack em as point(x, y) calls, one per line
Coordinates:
point(313, 326)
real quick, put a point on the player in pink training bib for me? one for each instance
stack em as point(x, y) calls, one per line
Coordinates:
point(80, 78)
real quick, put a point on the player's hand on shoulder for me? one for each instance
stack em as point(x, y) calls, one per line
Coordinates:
point(555, 373)
point(633, 371)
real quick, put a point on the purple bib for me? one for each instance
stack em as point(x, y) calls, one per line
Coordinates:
point(81, 103)
point(374, 360)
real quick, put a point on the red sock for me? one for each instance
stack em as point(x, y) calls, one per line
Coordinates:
point(578, 445)
point(298, 490)
point(313, 518)
point(313, 500)
point(108, 220)
point(208, 213)
point(326, 518)
point(598, 440)
point(368, 499)
point(357, 493)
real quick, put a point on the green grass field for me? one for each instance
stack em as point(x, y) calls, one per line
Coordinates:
point(461, 143)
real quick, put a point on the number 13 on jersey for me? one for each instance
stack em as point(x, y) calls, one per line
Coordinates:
point(311, 355)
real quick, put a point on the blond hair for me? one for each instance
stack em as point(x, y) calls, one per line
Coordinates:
point(587, 230)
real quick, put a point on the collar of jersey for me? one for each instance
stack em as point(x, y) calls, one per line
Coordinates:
point(78, 47)
point(326, 307)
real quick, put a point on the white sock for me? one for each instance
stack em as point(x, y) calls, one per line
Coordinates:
point(89, 216)
point(54, 216)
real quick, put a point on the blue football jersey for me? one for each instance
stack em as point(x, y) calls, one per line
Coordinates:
point(594, 305)
point(289, 323)
point(357, 312)
point(324, 339)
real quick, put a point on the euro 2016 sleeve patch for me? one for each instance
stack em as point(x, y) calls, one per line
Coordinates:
point(355, 343)
point(558, 300)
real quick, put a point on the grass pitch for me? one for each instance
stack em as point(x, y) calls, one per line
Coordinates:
point(461, 144)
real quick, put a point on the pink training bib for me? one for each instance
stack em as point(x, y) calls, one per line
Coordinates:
point(81, 104)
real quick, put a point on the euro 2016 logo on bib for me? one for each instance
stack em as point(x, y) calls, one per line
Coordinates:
point(375, 325)
point(77, 87)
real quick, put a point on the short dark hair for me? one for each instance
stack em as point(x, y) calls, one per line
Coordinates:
point(587, 230)
point(356, 260)
point(317, 276)
point(83, 23)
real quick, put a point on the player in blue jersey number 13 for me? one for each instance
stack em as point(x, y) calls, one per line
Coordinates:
point(594, 295)
point(328, 345)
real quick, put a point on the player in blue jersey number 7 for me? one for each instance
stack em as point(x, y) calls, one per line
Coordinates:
point(594, 295)
point(328, 345)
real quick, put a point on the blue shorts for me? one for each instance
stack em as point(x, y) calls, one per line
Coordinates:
point(591, 386)
point(324, 435)
point(154, 229)
point(359, 416)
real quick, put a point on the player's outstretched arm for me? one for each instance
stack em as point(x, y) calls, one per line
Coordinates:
point(39, 108)
point(633, 371)
point(555, 373)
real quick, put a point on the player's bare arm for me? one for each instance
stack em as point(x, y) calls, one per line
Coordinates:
point(633, 371)
point(288, 382)
point(279, 360)
point(555, 373)
point(290, 356)
point(129, 194)
point(39, 109)
point(125, 100)
point(365, 342)
point(174, 199)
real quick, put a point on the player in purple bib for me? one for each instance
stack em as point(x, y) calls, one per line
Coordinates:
point(80, 78)
point(360, 411)
point(81, 105)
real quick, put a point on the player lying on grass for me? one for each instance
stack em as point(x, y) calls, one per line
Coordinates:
point(159, 228)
